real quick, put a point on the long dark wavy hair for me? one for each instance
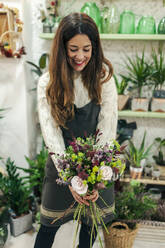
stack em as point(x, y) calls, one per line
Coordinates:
point(60, 90)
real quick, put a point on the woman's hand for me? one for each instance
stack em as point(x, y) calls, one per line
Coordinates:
point(92, 196)
point(85, 199)
point(80, 199)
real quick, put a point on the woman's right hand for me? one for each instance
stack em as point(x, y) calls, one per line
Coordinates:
point(77, 197)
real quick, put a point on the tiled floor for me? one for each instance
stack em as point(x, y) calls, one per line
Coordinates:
point(147, 237)
point(64, 238)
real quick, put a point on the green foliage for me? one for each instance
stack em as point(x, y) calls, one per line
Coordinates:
point(159, 159)
point(158, 69)
point(36, 171)
point(134, 203)
point(159, 215)
point(137, 72)
point(42, 64)
point(121, 87)
point(15, 191)
point(4, 214)
point(135, 155)
point(1, 116)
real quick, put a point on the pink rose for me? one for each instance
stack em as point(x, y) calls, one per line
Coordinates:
point(78, 185)
point(106, 172)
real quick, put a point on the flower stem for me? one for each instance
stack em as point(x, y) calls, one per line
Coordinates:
point(95, 223)
point(77, 226)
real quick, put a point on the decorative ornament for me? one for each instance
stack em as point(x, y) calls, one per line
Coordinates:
point(14, 48)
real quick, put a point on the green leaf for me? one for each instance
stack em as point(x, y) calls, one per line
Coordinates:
point(43, 60)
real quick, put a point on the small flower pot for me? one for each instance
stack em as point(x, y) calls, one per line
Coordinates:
point(136, 173)
point(155, 194)
point(148, 170)
point(122, 101)
point(156, 174)
point(139, 104)
point(158, 105)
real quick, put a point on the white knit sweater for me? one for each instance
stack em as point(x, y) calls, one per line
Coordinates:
point(107, 121)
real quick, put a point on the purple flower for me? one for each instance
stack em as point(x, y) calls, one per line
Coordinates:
point(61, 182)
point(83, 175)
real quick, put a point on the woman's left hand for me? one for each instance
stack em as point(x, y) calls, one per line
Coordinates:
point(92, 196)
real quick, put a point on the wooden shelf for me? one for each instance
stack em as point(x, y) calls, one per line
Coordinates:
point(129, 113)
point(132, 37)
point(49, 36)
point(145, 180)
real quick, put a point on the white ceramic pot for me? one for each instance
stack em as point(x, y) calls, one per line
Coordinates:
point(155, 194)
point(158, 105)
point(139, 104)
point(156, 174)
point(148, 170)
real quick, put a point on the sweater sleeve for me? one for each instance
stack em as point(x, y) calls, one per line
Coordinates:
point(52, 134)
point(107, 121)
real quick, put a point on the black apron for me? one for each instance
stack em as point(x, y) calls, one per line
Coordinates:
point(57, 199)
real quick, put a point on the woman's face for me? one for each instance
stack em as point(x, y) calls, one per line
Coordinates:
point(79, 51)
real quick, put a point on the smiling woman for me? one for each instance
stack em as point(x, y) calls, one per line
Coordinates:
point(75, 98)
point(79, 50)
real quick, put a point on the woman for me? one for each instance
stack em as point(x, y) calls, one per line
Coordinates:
point(76, 97)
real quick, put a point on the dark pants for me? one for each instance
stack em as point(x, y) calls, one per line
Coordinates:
point(46, 235)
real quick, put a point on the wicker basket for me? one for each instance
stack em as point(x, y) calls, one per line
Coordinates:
point(120, 238)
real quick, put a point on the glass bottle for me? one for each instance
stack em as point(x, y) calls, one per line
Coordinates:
point(146, 25)
point(127, 22)
point(161, 26)
point(93, 11)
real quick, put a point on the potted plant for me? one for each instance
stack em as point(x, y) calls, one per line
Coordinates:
point(121, 87)
point(36, 172)
point(158, 81)
point(159, 158)
point(4, 220)
point(16, 193)
point(132, 204)
point(137, 75)
point(136, 157)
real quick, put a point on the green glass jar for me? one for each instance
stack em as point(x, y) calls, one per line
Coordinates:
point(146, 25)
point(161, 26)
point(110, 20)
point(127, 22)
point(93, 11)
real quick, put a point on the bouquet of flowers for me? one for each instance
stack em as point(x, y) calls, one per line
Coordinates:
point(87, 167)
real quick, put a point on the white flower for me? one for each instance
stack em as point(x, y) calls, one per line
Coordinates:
point(78, 185)
point(106, 172)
